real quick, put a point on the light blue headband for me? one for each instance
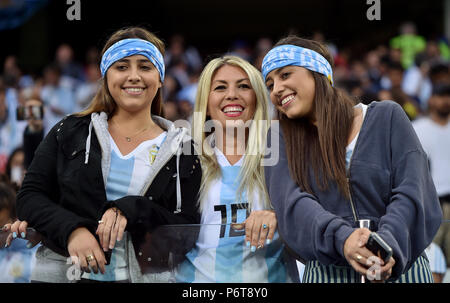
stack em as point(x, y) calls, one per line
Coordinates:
point(129, 47)
point(285, 55)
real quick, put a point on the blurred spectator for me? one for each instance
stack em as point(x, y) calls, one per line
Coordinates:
point(87, 90)
point(241, 49)
point(440, 74)
point(186, 97)
point(178, 51)
point(10, 128)
point(416, 81)
point(93, 56)
point(58, 97)
point(171, 111)
point(438, 265)
point(16, 260)
point(263, 46)
point(34, 132)
point(15, 169)
point(64, 59)
point(170, 88)
point(179, 71)
point(408, 43)
point(434, 134)
point(410, 106)
point(320, 37)
point(7, 204)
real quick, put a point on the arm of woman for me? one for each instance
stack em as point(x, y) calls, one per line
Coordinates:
point(37, 200)
point(413, 215)
point(148, 213)
point(306, 227)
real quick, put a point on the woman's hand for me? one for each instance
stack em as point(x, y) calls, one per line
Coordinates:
point(362, 259)
point(260, 228)
point(111, 228)
point(19, 229)
point(83, 245)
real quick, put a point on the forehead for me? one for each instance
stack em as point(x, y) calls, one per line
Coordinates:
point(229, 72)
point(134, 58)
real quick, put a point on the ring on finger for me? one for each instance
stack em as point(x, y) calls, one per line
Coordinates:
point(100, 222)
point(90, 258)
point(264, 226)
point(359, 257)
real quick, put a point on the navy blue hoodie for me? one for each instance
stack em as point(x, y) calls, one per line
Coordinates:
point(390, 184)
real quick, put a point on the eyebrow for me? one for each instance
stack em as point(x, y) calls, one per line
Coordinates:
point(240, 80)
point(277, 72)
point(128, 60)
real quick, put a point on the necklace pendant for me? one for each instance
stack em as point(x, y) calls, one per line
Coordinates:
point(128, 139)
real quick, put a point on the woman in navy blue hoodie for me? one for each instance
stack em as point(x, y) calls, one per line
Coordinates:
point(347, 163)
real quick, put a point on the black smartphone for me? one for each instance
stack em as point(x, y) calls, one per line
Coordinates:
point(30, 112)
point(378, 247)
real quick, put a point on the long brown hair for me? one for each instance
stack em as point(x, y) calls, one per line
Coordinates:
point(321, 146)
point(103, 101)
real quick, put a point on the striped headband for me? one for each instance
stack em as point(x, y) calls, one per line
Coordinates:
point(285, 55)
point(129, 47)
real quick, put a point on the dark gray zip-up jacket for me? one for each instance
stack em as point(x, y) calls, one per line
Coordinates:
point(64, 189)
point(390, 184)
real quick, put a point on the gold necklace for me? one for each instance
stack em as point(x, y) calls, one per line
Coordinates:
point(128, 138)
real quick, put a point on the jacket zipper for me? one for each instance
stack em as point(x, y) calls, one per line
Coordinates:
point(352, 204)
point(355, 217)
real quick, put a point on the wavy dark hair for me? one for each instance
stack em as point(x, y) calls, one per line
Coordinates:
point(321, 146)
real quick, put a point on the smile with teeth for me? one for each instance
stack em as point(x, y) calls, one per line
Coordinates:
point(134, 90)
point(287, 100)
point(233, 109)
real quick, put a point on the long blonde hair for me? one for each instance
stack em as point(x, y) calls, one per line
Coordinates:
point(251, 174)
point(103, 101)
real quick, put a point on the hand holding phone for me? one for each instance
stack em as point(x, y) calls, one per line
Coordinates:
point(379, 247)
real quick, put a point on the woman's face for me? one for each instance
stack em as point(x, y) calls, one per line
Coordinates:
point(133, 82)
point(292, 90)
point(231, 97)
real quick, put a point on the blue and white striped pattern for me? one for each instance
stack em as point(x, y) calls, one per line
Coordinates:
point(315, 272)
point(126, 176)
point(221, 254)
point(437, 259)
point(129, 47)
point(285, 55)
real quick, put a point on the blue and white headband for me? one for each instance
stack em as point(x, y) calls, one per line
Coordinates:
point(129, 47)
point(285, 55)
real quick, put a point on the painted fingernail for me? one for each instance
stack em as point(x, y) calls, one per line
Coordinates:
point(248, 243)
point(268, 241)
point(14, 235)
point(22, 234)
point(29, 244)
point(253, 248)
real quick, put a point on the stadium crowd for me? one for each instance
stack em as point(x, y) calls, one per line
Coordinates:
point(409, 69)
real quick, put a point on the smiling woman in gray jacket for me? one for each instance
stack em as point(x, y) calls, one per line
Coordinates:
point(104, 177)
point(346, 163)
